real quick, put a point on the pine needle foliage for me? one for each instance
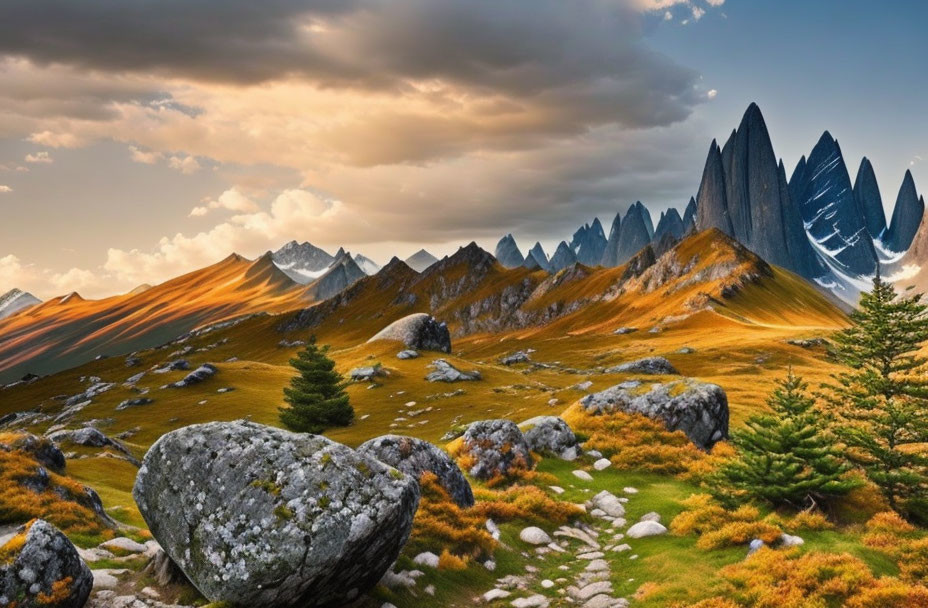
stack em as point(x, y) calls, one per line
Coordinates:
point(881, 399)
point(786, 457)
point(316, 396)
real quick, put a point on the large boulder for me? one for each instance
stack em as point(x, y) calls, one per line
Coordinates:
point(418, 331)
point(262, 517)
point(550, 434)
point(490, 448)
point(415, 457)
point(42, 449)
point(39, 567)
point(698, 409)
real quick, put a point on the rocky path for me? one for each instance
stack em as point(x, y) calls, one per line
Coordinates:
point(577, 562)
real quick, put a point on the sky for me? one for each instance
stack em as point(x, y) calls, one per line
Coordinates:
point(141, 139)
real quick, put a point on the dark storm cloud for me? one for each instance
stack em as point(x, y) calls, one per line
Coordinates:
point(575, 64)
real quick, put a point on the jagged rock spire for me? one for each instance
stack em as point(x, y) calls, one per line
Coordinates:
point(907, 215)
point(869, 201)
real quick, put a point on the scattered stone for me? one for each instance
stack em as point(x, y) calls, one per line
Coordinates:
point(415, 457)
point(124, 544)
point(124, 405)
point(407, 354)
point(200, 374)
point(550, 434)
point(368, 373)
point(172, 366)
point(582, 475)
point(755, 546)
point(602, 464)
point(700, 410)
point(625, 330)
point(286, 518)
point(646, 528)
point(607, 502)
point(40, 567)
point(651, 516)
point(445, 372)
point(583, 386)
point(686, 350)
point(419, 331)
point(788, 540)
point(426, 558)
point(534, 536)
point(517, 357)
point(533, 601)
point(225, 389)
point(648, 365)
point(630, 490)
point(809, 343)
point(291, 344)
point(495, 594)
point(496, 447)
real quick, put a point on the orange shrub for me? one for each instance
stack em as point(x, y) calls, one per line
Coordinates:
point(718, 527)
point(449, 561)
point(739, 533)
point(63, 503)
point(786, 579)
point(634, 441)
point(525, 503)
point(440, 522)
point(808, 520)
point(913, 560)
point(887, 531)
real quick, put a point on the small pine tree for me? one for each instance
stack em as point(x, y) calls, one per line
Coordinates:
point(786, 457)
point(316, 396)
point(882, 397)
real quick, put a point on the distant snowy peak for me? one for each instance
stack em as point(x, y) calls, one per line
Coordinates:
point(369, 266)
point(302, 262)
point(421, 260)
point(16, 300)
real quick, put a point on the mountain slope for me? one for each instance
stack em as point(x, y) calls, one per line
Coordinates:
point(302, 262)
point(67, 331)
point(16, 300)
point(366, 264)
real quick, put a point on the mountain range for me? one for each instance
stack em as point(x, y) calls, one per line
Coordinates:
point(818, 224)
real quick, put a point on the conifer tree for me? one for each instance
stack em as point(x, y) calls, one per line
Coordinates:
point(786, 457)
point(316, 396)
point(882, 397)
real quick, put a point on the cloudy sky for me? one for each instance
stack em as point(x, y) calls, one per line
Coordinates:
point(140, 139)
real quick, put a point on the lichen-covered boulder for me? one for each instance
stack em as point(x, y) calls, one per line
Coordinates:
point(262, 517)
point(418, 331)
point(698, 409)
point(648, 365)
point(200, 374)
point(415, 457)
point(550, 434)
point(42, 449)
point(39, 567)
point(490, 448)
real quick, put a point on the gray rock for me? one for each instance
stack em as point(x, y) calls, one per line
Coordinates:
point(646, 528)
point(418, 331)
point(445, 372)
point(92, 391)
point(625, 330)
point(550, 434)
point(200, 374)
point(262, 517)
point(534, 536)
point(496, 447)
point(46, 558)
point(648, 365)
point(415, 457)
point(134, 403)
point(93, 438)
point(42, 449)
point(407, 354)
point(367, 373)
point(700, 410)
point(171, 366)
point(516, 357)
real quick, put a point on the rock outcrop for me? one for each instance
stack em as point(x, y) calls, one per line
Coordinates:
point(700, 410)
point(414, 457)
point(41, 568)
point(343, 273)
point(419, 331)
point(507, 252)
point(200, 374)
point(589, 243)
point(869, 201)
point(633, 234)
point(537, 253)
point(907, 215)
point(442, 371)
point(744, 194)
point(42, 449)
point(261, 517)
point(550, 435)
point(670, 224)
point(491, 448)
point(562, 258)
point(648, 365)
point(689, 216)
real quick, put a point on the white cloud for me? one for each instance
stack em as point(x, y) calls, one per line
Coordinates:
point(712, 94)
point(5, 188)
point(293, 213)
point(185, 164)
point(146, 157)
point(715, 2)
point(232, 200)
point(39, 157)
point(54, 139)
point(668, 16)
point(698, 12)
